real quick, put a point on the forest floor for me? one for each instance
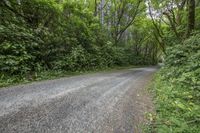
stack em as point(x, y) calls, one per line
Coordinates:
point(101, 102)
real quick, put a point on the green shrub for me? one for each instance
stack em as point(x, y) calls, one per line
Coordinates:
point(45, 35)
point(177, 89)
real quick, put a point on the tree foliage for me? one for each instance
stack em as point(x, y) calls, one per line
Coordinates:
point(63, 35)
point(177, 84)
point(38, 36)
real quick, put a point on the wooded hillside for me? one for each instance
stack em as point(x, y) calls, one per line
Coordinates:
point(41, 38)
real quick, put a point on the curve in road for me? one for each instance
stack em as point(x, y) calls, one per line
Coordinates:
point(101, 102)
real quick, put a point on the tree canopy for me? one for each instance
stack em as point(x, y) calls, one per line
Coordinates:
point(58, 36)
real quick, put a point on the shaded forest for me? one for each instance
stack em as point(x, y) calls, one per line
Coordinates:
point(59, 36)
point(42, 35)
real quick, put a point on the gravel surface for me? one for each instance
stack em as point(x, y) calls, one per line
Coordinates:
point(92, 103)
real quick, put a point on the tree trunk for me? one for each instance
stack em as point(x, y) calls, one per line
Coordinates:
point(95, 8)
point(180, 9)
point(102, 12)
point(191, 16)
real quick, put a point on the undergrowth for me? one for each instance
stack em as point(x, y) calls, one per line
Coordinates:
point(177, 90)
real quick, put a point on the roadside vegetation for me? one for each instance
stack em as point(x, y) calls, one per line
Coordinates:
point(44, 39)
point(176, 88)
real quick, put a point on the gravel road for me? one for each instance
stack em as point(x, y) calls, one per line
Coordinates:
point(91, 103)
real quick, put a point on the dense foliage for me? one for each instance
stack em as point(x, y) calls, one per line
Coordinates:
point(50, 35)
point(39, 38)
point(177, 89)
point(177, 85)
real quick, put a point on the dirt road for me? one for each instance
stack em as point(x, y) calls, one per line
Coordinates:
point(92, 103)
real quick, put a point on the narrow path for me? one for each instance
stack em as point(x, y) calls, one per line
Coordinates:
point(96, 103)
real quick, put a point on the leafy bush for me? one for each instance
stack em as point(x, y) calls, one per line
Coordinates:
point(16, 49)
point(45, 35)
point(177, 89)
point(184, 63)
